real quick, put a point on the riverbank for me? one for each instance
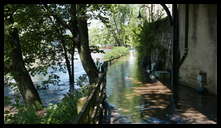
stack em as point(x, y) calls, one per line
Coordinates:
point(115, 53)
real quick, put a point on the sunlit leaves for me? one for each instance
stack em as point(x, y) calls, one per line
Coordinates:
point(36, 35)
point(119, 28)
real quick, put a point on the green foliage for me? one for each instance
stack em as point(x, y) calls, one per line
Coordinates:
point(82, 80)
point(85, 91)
point(120, 18)
point(99, 12)
point(23, 114)
point(7, 100)
point(119, 29)
point(115, 53)
point(61, 113)
point(38, 38)
point(146, 38)
point(100, 36)
point(41, 47)
point(149, 38)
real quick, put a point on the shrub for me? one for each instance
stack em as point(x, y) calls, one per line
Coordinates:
point(61, 113)
point(24, 115)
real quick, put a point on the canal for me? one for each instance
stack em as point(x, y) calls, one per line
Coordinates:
point(135, 100)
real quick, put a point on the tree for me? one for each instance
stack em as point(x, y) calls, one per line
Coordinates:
point(68, 48)
point(76, 23)
point(100, 36)
point(151, 34)
point(14, 59)
point(83, 47)
point(120, 17)
point(39, 41)
point(152, 12)
point(119, 28)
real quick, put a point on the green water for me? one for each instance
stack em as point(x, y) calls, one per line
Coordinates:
point(124, 74)
point(120, 77)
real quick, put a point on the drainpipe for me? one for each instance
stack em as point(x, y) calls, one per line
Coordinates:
point(186, 35)
point(175, 71)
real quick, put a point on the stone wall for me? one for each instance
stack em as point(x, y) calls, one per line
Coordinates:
point(202, 41)
point(163, 35)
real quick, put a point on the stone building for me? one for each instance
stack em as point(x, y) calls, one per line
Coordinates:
point(202, 45)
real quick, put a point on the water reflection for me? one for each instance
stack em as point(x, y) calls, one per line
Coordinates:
point(119, 82)
point(131, 94)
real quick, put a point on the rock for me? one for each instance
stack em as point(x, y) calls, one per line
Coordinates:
point(124, 120)
point(111, 106)
point(153, 120)
point(115, 114)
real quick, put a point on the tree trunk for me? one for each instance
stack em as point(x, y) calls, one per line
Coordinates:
point(70, 67)
point(20, 73)
point(85, 54)
point(116, 36)
point(83, 43)
point(70, 71)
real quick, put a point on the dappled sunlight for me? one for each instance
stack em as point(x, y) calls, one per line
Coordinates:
point(191, 115)
point(110, 64)
point(155, 104)
point(81, 103)
point(134, 81)
point(155, 88)
point(155, 98)
point(124, 110)
point(130, 96)
point(10, 110)
point(158, 106)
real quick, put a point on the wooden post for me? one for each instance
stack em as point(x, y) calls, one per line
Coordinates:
point(88, 113)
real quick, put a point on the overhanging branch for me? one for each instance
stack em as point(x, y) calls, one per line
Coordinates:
point(168, 13)
point(60, 21)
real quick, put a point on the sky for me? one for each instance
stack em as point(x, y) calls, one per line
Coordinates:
point(98, 24)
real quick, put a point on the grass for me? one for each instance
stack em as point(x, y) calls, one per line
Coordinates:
point(115, 53)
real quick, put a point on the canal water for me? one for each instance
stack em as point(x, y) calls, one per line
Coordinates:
point(122, 77)
point(134, 100)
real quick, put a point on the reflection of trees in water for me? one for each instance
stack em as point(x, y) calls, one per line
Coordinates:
point(119, 70)
point(121, 84)
point(117, 81)
point(122, 72)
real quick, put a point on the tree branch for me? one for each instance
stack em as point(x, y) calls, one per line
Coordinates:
point(60, 21)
